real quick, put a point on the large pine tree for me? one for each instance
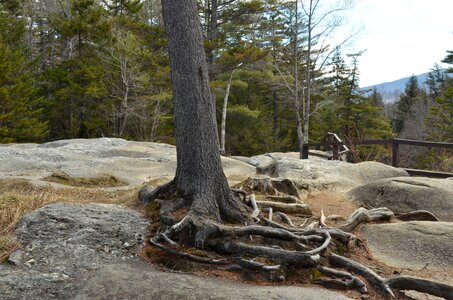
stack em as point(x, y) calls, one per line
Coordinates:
point(20, 105)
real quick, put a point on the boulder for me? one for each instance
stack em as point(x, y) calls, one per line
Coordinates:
point(140, 281)
point(63, 244)
point(405, 194)
point(414, 245)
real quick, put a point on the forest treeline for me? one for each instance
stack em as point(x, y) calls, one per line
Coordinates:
point(92, 68)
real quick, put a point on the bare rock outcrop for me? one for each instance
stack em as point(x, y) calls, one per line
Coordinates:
point(317, 175)
point(414, 245)
point(131, 162)
point(406, 194)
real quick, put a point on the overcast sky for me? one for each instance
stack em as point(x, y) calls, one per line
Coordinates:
point(402, 37)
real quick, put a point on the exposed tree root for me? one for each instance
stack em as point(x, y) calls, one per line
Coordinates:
point(285, 218)
point(398, 283)
point(292, 208)
point(165, 191)
point(284, 199)
point(377, 281)
point(270, 186)
point(282, 247)
point(256, 210)
point(295, 258)
point(352, 281)
point(362, 215)
point(240, 192)
point(421, 285)
point(254, 265)
point(204, 260)
point(167, 207)
point(418, 215)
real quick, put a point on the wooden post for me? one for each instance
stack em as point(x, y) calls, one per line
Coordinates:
point(305, 151)
point(395, 158)
point(335, 150)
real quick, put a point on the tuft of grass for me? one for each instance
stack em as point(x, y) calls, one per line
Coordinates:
point(315, 274)
point(89, 182)
point(18, 197)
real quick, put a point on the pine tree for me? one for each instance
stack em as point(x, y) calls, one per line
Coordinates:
point(440, 118)
point(404, 105)
point(76, 86)
point(20, 107)
point(352, 115)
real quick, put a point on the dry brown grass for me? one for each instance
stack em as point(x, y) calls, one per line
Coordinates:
point(18, 197)
point(105, 180)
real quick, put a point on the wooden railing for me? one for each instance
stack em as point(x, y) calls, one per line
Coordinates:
point(395, 143)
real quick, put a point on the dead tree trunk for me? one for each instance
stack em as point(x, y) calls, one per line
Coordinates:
point(224, 112)
point(199, 176)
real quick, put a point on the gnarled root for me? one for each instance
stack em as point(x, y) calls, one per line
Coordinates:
point(377, 281)
point(362, 215)
point(284, 199)
point(280, 245)
point(294, 208)
point(166, 191)
point(154, 242)
point(240, 192)
point(352, 281)
point(385, 285)
point(254, 265)
point(421, 285)
point(418, 215)
point(288, 257)
point(262, 184)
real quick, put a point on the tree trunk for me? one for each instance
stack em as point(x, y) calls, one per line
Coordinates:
point(224, 112)
point(124, 103)
point(212, 33)
point(199, 176)
point(296, 85)
point(275, 119)
point(308, 75)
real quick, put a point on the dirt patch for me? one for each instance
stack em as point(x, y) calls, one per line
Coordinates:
point(331, 203)
point(88, 182)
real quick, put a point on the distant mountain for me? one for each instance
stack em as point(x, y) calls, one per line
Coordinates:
point(391, 91)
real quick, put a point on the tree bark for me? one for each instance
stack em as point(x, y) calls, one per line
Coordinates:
point(199, 175)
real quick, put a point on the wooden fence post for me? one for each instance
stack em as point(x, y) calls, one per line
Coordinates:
point(395, 158)
point(335, 150)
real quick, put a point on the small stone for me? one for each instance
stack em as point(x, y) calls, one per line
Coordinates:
point(16, 257)
point(126, 245)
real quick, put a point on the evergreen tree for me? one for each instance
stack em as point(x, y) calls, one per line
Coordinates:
point(20, 107)
point(405, 103)
point(352, 115)
point(440, 118)
point(76, 86)
point(376, 98)
point(435, 81)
